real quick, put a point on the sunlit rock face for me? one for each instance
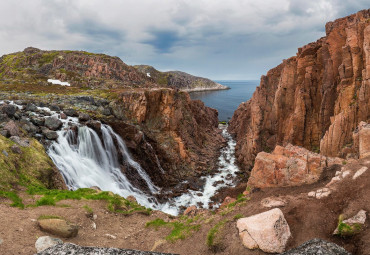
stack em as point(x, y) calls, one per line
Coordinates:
point(315, 99)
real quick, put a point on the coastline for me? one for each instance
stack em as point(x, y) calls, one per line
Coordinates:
point(199, 89)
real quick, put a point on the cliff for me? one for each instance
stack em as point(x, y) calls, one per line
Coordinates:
point(182, 133)
point(315, 99)
point(179, 80)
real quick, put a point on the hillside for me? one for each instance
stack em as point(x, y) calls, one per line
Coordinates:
point(179, 80)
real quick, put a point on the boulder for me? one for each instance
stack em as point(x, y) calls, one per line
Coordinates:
point(45, 242)
point(352, 225)
point(49, 134)
point(54, 107)
point(12, 128)
point(53, 123)
point(317, 246)
point(288, 166)
point(24, 142)
point(70, 112)
point(271, 202)
point(15, 148)
point(69, 248)
point(96, 125)
point(83, 117)
point(191, 211)
point(227, 200)
point(58, 227)
point(38, 121)
point(63, 116)
point(9, 109)
point(268, 231)
point(31, 107)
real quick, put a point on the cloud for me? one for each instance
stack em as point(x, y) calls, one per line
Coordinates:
point(238, 39)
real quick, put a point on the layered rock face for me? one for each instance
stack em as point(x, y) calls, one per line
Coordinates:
point(315, 99)
point(168, 127)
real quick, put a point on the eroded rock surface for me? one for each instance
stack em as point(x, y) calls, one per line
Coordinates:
point(315, 99)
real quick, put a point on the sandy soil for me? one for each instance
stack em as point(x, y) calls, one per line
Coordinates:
point(308, 218)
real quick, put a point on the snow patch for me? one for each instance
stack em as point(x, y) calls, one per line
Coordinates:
point(148, 74)
point(58, 82)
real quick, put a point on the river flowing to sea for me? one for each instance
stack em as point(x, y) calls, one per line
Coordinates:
point(227, 101)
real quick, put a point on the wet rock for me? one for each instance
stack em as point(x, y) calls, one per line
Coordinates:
point(38, 121)
point(58, 227)
point(267, 231)
point(83, 117)
point(352, 225)
point(53, 123)
point(45, 242)
point(317, 246)
point(12, 128)
point(96, 125)
point(31, 107)
point(63, 116)
point(15, 148)
point(70, 112)
point(49, 134)
point(69, 248)
point(9, 110)
point(54, 107)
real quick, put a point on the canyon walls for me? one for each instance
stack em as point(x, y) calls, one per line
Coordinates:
point(315, 99)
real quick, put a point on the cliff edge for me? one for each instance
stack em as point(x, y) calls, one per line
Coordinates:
point(315, 99)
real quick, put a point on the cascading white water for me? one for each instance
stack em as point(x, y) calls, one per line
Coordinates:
point(86, 160)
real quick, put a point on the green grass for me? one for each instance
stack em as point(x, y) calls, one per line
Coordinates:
point(16, 200)
point(47, 58)
point(347, 230)
point(238, 216)
point(116, 203)
point(88, 209)
point(240, 199)
point(212, 241)
point(46, 217)
point(179, 229)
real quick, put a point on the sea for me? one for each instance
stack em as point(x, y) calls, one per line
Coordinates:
point(227, 101)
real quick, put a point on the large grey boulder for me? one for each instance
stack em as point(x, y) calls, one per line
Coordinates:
point(317, 246)
point(53, 123)
point(72, 249)
point(45, 242)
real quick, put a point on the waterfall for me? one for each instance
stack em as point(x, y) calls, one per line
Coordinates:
point(86, 159)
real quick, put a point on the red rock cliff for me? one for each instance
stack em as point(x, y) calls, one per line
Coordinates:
point(315, 99)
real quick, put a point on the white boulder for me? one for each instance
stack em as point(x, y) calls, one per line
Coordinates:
point(45, 242)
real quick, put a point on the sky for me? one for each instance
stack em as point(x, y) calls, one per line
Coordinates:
point(228, 39)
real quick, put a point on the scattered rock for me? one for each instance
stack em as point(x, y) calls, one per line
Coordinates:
point(191, 211)
point(45, 242)
point(63, 116)
point(227, 200)
point(53, 123)
point(352, 225)
point(70, 112)
point(59, 227)
point(54, 108)
point(131, 199)
point(38, 121)
point(268, 231)
point(320, 193)
point(270, 202)
point(49, 134)
point(31, 107)
point(12, 128)
point(9, 109)
point(24, 142)
point(15, 148)
point(359, 172)
point(109, 236)
point(93, 225)
point(317, 246)
point(83, 117)
point(69, 248)
point(5, 153)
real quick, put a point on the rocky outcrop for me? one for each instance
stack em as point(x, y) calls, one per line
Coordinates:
point(169, 133)
point(79, 68)
point(179, 80)
point(288, 166)
point(315, 99)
